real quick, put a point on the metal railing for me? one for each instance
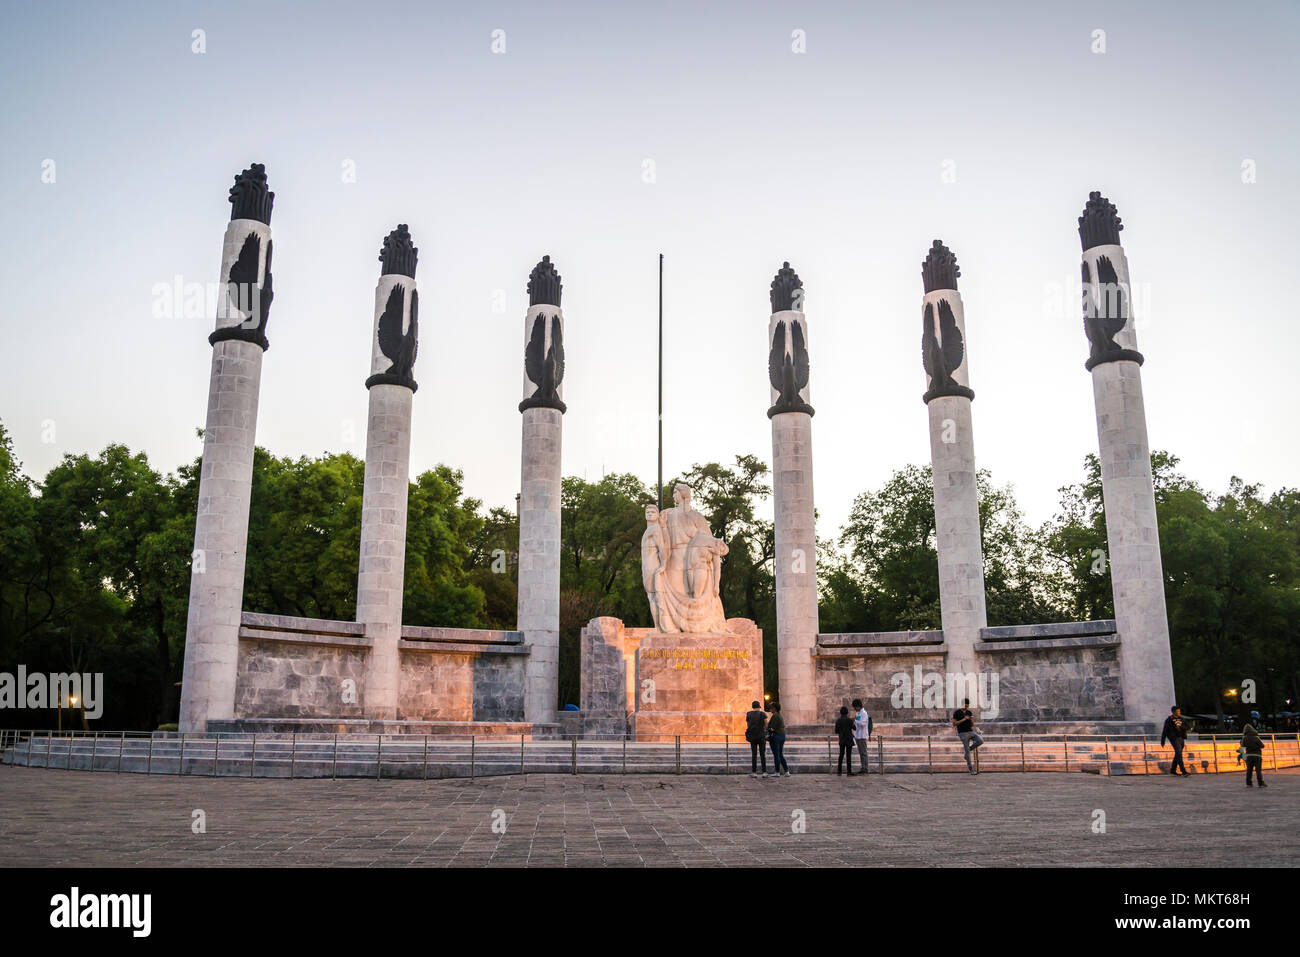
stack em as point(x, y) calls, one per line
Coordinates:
point(384, 756)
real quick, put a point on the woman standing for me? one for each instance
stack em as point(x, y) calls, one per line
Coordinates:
point(776, 737)
point(844, 730)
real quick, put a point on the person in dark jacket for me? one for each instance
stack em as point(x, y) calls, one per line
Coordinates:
point(756, 735)
point(844, 731)
point(776, 736)
point(1254, 748)
point(1175, 732)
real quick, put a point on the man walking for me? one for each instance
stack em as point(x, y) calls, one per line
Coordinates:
point(1176, 734)
point(756, 735)
point(963, 720)
point(861, 731)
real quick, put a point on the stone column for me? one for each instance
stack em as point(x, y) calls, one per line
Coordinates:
point(226, 477)
point(382, 566)
point(792, 487)
point(952, 460)
point(1133, 540)
point(539, 498)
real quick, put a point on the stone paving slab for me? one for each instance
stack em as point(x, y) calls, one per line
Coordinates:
point(50, 818)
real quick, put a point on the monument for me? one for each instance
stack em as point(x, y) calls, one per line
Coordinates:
point(952, 459)
point(226, 477)
point(539, 491)
point(694, 671)
point(795, 559)
point(382, 564)
point(1128, 495)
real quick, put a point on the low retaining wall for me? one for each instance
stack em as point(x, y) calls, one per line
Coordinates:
point(1028, 674)
point(310, 668)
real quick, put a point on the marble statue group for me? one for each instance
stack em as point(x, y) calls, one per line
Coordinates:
point(681, 567)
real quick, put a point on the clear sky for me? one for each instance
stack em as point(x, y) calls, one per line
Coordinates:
point(833, 159)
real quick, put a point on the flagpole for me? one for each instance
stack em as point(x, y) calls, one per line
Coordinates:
point(659, 489)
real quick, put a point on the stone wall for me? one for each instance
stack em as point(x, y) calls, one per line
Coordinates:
point(309, 668)
point(1044, 673)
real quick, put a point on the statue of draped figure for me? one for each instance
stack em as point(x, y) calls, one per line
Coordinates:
point(681, 568)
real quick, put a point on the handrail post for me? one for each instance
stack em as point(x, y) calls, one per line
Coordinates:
point(625, 754)
point(252, 758)
point(1273, 737)
point(379, 758)
point(929, 755)
point(679, 753)
point(726, 754)
point(293, 753)
point(1145, 768)
point(830, 761)
point(426, 755)
point(471, 757)
point(180, 765)
point(573, 754)
point(1022, 754)
point(1214, 743)
point(148, 768)
point(880, 755)
point(521, 754)
point(1106, 742)
point(120, 748)
point(1065, 748)
point(334, 768)
point(94, 750)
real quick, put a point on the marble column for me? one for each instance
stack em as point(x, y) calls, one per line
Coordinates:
point(792, 487)
point(1128, 497)
point(539, 499)
point(952, 460)
point(226, 476)
point(382, 566)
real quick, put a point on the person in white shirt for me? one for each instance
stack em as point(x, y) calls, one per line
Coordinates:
point(861, 731)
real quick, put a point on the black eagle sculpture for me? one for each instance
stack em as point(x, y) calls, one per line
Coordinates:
point(942, 352)
point(544, 364)
point(397, 346)
point(788, 372)
point(1105, 314)
point(249, 199)
point(243, 293)
point(398, 256)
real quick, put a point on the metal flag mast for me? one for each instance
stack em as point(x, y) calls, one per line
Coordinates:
point(659, 489)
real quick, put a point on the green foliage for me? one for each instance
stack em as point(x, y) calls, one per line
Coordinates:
point(94, 565)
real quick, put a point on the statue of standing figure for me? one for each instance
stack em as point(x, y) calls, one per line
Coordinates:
point(681, 568)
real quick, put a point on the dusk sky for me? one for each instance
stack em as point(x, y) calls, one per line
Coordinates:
point(605, 134)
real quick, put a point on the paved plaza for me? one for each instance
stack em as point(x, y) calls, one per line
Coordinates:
point(549, 820)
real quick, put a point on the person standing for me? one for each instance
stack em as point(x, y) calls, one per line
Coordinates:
point(844, 731)
point(861, 732)
point(1175, 732)
point(755, 734)
point(1253, 745)
point(776, 737)
point(963, 720)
